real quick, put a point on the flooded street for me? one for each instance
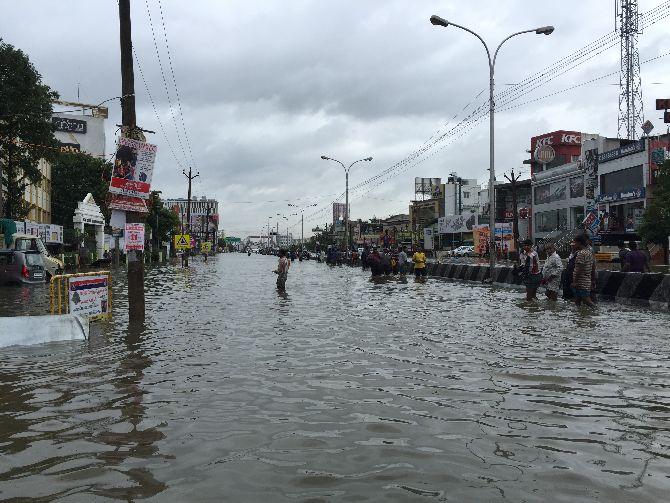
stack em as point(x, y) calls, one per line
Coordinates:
point(342, 390)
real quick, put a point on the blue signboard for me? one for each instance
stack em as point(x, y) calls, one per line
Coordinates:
point(637, 193)
point(631, 148)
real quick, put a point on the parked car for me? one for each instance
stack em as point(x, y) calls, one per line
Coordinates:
point(18, 266)
point(463, 251)
point(27, 242)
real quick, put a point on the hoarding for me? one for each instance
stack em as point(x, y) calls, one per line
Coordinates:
point(453, 224)
point(550, 192)
point(133, 168)
point(481, 237)
point(428, 186)
point(128, 203)
point(89, 295)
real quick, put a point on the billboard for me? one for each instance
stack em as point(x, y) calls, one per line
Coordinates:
point(453, 224)
point(431, 187)
point(133, 168)
point(340, 213)
point(481, 237)
point(551, 192)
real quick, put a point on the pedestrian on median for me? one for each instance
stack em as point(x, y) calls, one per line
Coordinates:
point(623, 251)
point(551, 272)
point(419, 259)
point(636, 260)
point(582, 277)
point(282, 271)
point(402, 261)
point(530, 266)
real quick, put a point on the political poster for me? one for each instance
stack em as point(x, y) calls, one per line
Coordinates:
point(481, 237)
point(134, 237)
point(133, 168)
point(89, 295)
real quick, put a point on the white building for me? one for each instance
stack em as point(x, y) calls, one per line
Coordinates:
point(285, 240)
point(204, 215)
point(461, 197)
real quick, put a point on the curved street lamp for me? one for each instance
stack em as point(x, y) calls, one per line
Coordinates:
point(346, 206)
point(543, 30)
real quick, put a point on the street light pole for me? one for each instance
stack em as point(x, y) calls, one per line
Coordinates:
point(543, 30)
point(346, 207)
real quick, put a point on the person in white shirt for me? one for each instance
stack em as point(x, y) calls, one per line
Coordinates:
point(551, 272)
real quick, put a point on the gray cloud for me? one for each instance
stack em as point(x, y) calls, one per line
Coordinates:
point(267, 87)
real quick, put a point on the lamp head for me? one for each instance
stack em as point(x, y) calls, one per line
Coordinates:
point(545, 30)
point(325, 158)
point(438, 21)
point(368, 159)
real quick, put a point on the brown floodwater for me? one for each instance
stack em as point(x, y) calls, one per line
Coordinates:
point(341, 390)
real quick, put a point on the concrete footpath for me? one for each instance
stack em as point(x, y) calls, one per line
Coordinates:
point(649, 290)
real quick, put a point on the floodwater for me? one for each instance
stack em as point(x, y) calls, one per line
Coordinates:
point(341, 390)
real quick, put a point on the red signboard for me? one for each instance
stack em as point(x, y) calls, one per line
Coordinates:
point(662, 103)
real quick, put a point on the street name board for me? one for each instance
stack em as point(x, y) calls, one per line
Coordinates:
point(182, 241)
point(134, 237)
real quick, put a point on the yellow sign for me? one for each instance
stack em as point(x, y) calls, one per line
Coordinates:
point(205, 247)
point(182, 241)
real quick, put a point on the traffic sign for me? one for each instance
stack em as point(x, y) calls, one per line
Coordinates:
point(545, 154)
point(647, 127)
point(182, 241)
point(205, 247)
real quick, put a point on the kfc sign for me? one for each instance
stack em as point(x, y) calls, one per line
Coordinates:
point(557, 138)
point(574, 139)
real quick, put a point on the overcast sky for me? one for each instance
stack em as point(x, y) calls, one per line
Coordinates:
point(267, 87)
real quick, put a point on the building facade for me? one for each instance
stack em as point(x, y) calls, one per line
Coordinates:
point(461, 195)
point(204, 223)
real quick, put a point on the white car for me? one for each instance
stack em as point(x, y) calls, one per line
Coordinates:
point(463, 251)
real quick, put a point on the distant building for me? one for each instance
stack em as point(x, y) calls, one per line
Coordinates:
point(204, 223)
point(461, 195)
point(80, 129)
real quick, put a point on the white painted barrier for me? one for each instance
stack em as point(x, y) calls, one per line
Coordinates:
point(27, 330)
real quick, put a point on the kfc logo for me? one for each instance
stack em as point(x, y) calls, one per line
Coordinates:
point(541, 142)
point(571, 138)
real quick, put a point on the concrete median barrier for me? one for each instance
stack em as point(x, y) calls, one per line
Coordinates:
point(29, 330)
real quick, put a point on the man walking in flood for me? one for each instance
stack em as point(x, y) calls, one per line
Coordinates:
point(282, 271)
point(582, 277)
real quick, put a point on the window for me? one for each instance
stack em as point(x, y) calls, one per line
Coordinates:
point(466, 195)
point(622, 180)
point(550, 221)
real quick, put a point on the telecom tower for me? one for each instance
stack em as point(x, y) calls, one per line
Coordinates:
point(630, 83)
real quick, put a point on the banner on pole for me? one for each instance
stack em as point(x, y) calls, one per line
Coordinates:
point(134, 237)
point(133, 168)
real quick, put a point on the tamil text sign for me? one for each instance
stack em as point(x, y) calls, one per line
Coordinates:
point(134, 237)
point(89, 295)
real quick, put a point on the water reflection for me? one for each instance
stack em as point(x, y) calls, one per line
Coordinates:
point(342, 389)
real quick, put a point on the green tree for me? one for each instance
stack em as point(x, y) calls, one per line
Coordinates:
point(73, 176)
point(26, 133)
point(656, 221)
point(168, 222)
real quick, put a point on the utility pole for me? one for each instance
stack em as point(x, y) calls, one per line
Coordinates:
point(515, 213)
point(188, 206)
point(129, 129)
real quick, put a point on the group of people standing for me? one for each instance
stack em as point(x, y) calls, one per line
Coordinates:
point(393, 261)
point(579, 280)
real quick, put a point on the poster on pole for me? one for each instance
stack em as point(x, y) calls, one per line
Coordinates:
point(428, 239)
point(89, 295)
point(134, 237)
point(481, 238)
point(133, 168)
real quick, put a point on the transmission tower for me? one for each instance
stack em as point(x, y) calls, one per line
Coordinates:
point(630, 83)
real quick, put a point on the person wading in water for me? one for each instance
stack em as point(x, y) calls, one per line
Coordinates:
point(282, 271)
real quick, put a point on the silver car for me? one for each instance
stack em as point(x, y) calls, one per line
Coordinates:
point(21, 267)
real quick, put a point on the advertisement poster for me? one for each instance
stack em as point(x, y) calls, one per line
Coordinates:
point(481, 237)
point(54, 234)
point(504, 236)
point(452, 224)
point(659, 151)
point(428, 239)
point(89, 295)
point(133, 168)
point(128, 203)
point(134, 235)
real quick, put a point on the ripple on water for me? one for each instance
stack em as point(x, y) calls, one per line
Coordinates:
point(343, 389)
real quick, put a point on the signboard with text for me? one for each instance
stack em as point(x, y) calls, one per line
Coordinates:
point(133, 168)
point(89, 295)
point(69, 125)
point(134, 237)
